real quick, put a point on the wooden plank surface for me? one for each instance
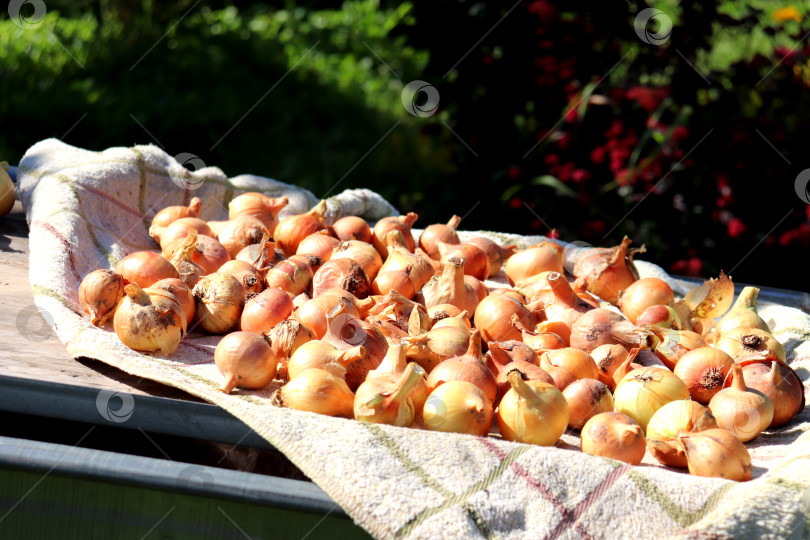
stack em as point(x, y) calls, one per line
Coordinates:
point(28, 347)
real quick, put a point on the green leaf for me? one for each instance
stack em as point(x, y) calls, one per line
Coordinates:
point(554, 182)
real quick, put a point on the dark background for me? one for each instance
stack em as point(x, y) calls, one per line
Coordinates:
point(550, 116)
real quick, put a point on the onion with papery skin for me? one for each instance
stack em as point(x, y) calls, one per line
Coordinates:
point(600, 326)
point(145, 268)
point(711, 299)
point(562, 330)
point(643, 391)
point(496, 253)
point(586, 398)
point(346, 331)
point(477, 285)
point(671, 345)
point(402, 224)
point(564, 305)
point(183, 260)
point(532, 412)
point(319, 243)
point(475, 260)
point(313, 312)
point(703, 370)
point(245, 360)
point(362, 253)
point(450, 288)
point(644, 293)
point(265, 310)
point(458, 407)
point(606, 272)
point(317, 354)
point(182, 293)
point(470, 367)
point(241, 232)
point(607, 358)
point(262, 256)
point(511, 293)
point(165, 217)
point(441, 312)
point(294, 274)
point(149, 320)
point(500, 363)
point(493, 317)
point(291, 230)
point(661, 316)
point(352, 228)
point(387, 400)
point(178, 230)
point(395, 280)
point(285, 338)
point(626, 366)
point(418, 266)
point(532, 261)
point(576, 361)
point(341, 274)
point(539, 341)
point(743, 411)
point(740, 342)
point(743, 314)
point(219, 299)
point(319, 391)
point(779, 382)
point(716, 453)
point(436, 346)
point(670, 420)
point(615, 436)
point(209, 253)
point(259, 206)
point(246, 273)
point(404, 313)
point(518, 351)
point(438, 232)
point(99, 294)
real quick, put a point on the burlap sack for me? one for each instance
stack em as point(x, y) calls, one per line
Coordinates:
point(88, 209)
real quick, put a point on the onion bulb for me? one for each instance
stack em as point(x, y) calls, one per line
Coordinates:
point(387, 399)
point(145, 268)
point(219, 299)
point(476, 263)
point(606, 272)
point(319, 243)
point(292, 230)
point(563, 304)
point(165, 217)
point(615, 436)
point(178, 230)
point(262, 256)
point(532, 261)
point(149, 320)
point(470, 367)
point(643, 391)
point(317, 355)
point(716, 453)
point(99, 294)
point(183, 260)
point(312, 313)
point(743, 411)
point(352, 228)
point(670, 420)
point(319, 391)
point(532, 412)
point(644, 293)
point(182, 293)
point(294, 274)
point(265, 310)
point(241, 232)
point(208, 253)
point(450, 288)
point(607, 358)
point(703, 370)
point(743, 314)
point(661, 316)
point(586, 398)
point(458, 407)
point(259, 206)
point(246, 273)
point(576, 361)
point(433, 234)
point(436, 346)
point(362, 253)
point(246, 360)
point(496, 253)
point(740, 342)
point(777, 381)
point(341, 274)
point(493, 316)
point(600, 326)
point(285, 338)
point(671, 345)
point(418, 266)
point(402, 224)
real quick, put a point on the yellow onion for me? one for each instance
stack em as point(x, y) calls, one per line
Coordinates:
point(387, 399)
point(493, 316)
point(182, 293)
point(319, 243)
point(516, 350)
point(563, 304)
point(532, 261)
point(262, 256)
point(418, 266)
point(240, 232)
point(562, 330)
point(346, 331)
point(743, 411)
point(661, 316)
point(586, 398)
point(341, 274)
point(716, 453)
point(477, 285)
point(393, 281)
point(576, 361)
point(149, 320)
point(496, 253)
point(600, 326)
point(450, 288)
point(183, 260)
point(703, 370)
point(246, 273)
point(352, 228)
point(615, 436)
point(145, 268)
point(319, 391)
point(259, 206)
point(409, 316)
point(607, 358)
point(500, 363)
point(743, 314)
point(208, 253)
point(539, 341)
point(458, 407)
point(675, 417)
point(643, 391)
point(362, 253)
point(740, 342)
point(219, 299)
point(402, 224)
point(470, 367)
point(285, 338)
point(644, 293)
point(165, 217)
point(294, 274)
point(671, 345)
point(532, 412)
point(779, 382)
point(476, 263)
point(436, 346)
point(312, 313)
point(99, 294)
point(292, 230)
point(178, 230)
point(606, 272)
point(441, 317)
point(265, 310)
point(433, 234)
point(246, 360)
point(512, 293)
point(317, 354)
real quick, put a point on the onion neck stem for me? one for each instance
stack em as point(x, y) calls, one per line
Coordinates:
point(562, 289)
point(137, 294)
point(406, 383)
point(747, 300)
point(738, 383)
point(349, 356)
point(525, 391)
point(454, 222)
